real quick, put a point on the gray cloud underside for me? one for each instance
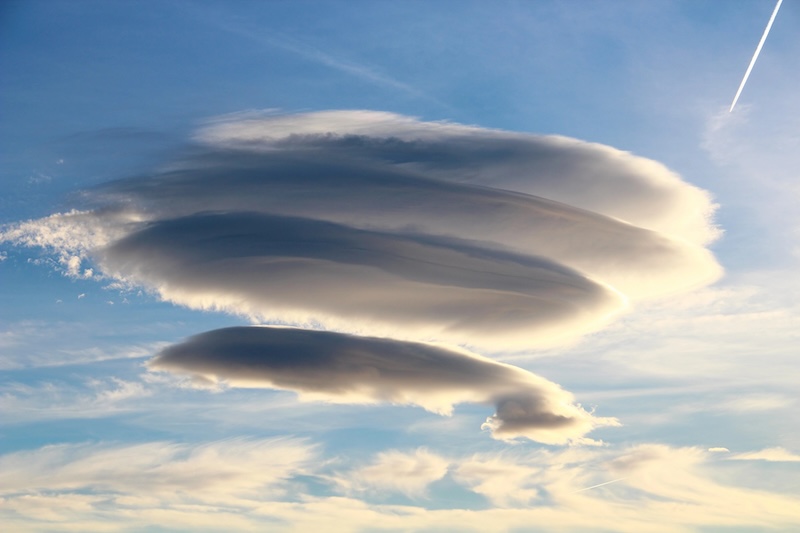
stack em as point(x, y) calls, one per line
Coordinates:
point(447, 287)
point(353, 369)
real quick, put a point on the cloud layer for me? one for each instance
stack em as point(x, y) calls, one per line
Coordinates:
point(288, 485)
point(343, 368)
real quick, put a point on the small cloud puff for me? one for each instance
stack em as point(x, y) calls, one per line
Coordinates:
point(776, 454)
point(397, 471)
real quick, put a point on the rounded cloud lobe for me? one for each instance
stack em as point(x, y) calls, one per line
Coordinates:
point(342, 368)
point(371, 223)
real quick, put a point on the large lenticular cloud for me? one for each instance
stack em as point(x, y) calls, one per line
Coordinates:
point(341, 368)
point(374, 225)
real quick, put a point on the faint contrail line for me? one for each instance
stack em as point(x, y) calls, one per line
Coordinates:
point(309, 52)
point(755, 56)
point(599, 485)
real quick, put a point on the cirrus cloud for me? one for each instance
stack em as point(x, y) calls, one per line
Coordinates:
point(274, 484)
point(776, 454)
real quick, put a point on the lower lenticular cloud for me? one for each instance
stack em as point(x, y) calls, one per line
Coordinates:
point(374, 223)
point(341, 368)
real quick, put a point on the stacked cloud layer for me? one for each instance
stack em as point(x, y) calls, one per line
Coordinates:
point(376, 224)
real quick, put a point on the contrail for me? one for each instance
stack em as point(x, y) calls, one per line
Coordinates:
point(599, 485)
point(755, 56)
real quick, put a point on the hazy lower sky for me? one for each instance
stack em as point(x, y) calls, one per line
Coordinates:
point(399, 266)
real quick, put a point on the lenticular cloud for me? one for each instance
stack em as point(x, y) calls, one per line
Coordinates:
point(376, 224)
point(342, 368)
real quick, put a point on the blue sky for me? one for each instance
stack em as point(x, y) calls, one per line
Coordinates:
point(163, 163)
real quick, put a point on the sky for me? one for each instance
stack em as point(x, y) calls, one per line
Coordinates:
point(362, 266)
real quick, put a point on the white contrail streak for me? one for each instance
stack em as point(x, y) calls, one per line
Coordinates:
point(755, 56)
point(599, 485)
